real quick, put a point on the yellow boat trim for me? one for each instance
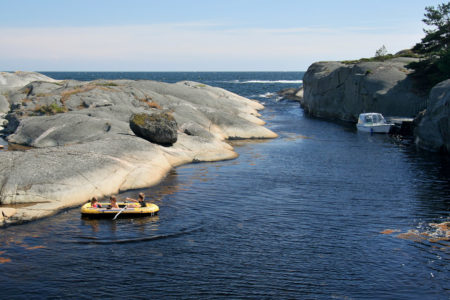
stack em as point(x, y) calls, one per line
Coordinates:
point(149, 209)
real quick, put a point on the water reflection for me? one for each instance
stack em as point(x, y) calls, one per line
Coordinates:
point(93, 223)
point(5, 146)
point(141, 224)
point(431, 183)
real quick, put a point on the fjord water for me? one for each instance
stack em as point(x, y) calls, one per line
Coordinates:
point(321, 212)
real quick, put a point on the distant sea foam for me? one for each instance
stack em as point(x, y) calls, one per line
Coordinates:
point(267, 95)
point(266, 81)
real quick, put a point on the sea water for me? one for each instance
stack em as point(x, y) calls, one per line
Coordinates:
point(321, 212)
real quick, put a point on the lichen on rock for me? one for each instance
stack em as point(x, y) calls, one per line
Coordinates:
point(157, 127)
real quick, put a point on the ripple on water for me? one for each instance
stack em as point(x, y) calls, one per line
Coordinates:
point(293, 218)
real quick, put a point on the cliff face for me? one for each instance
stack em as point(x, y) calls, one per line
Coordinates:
point(433, 131)
point(335, 90)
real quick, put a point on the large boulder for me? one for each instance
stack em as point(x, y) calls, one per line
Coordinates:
point(433, 131)
point(159, 127)
point(336, 90)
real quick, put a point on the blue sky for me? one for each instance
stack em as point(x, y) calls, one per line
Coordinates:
point(198, 35)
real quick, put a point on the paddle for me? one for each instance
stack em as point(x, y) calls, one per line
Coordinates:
point(115, 217)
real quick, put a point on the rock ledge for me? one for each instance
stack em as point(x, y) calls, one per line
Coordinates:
point(83, 145)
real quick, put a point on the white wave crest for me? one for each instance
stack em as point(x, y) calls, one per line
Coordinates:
point(265, 81)
point(266, 95)
point(272, 81)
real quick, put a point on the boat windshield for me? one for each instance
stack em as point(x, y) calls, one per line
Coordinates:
point(368, 119)
point(371, 119)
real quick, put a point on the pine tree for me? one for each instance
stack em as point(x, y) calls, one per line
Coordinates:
point(435, 46)
point(437, 39)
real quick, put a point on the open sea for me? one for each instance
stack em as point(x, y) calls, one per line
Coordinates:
point(322, 212)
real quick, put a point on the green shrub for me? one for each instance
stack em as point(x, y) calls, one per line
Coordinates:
point(106, 84)
point(51, 109)
point(375, 58)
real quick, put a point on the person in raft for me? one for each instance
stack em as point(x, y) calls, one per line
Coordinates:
point(94, 203)
point(141, 199)
point(113, 202)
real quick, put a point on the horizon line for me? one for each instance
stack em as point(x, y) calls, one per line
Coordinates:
point(159, 71)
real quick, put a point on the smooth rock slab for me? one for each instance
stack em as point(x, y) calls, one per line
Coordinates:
point(89, 149)
point(4, 104)
point(10, 80)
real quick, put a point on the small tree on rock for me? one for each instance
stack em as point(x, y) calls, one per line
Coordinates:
point(381, 52)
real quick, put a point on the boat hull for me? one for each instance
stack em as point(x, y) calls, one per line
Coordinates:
point(380, 128)
point(105, 212)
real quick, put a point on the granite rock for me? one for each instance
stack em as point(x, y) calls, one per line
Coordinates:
point(12, 80)
point(295, 94)
point(159, 127)
point(334, 90)
point(83, 145)
point(4, 104)
point(433, 130)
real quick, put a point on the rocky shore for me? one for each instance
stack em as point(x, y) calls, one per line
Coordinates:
point(81, 143)
point(294, 94)
point(433, 125)
point(343, 90)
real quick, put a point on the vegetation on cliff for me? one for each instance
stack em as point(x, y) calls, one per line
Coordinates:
point(435, 46)
point(433, 50)
point(383, 56)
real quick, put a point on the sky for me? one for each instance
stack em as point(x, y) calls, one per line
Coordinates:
point(201, 35)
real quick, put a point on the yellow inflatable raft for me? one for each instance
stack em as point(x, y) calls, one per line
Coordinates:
point(126, 210)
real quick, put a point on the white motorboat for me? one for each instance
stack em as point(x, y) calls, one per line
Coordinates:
point(373, 123)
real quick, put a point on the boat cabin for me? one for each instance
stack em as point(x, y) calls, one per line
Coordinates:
point(373, 123)
point(371, 118)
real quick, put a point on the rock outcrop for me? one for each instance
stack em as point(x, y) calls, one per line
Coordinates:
point(4, 108)
point(294, 94)
point(4, 105)
point(334, 90)
point(13, 81)
point(9, 81)
point(6, 213)
point(84, 147)
point(433, 130)
point(159, 128)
